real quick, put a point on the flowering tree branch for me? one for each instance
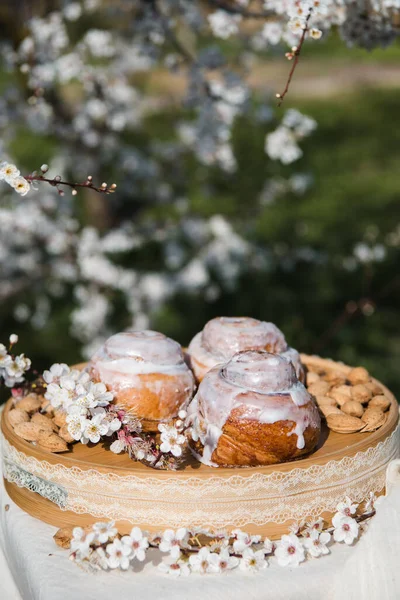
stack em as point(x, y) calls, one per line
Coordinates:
point(57, 182)
point(296, 54)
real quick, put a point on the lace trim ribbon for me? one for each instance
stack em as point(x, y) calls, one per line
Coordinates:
point(216, 502)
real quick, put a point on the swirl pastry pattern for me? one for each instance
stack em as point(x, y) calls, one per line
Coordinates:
point(223, 337)
point(147, 373)
point(252, 411)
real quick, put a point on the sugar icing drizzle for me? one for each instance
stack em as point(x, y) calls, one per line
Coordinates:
point(263, 384)
point(129, 354)
point(223, 337)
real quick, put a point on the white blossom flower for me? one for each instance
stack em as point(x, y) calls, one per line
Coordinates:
point(202, 562)
point(173, 541)
point(316, 542)
point(171, 439)
point(222, 24)
point(14, 370)
point(81, 542)
point(223, 561)
point(73, 11)
point(118, 555)
point(244, 540)
point(61, 394)
point(316, 525)
point(281, 145)
point(175, 568)
point(105, 531)
point(55, 372)
point(5, 358)
point(101, 396)
point(76, 425)
point(296, 25)
point(289, 551)
point(345, 529)
point(253, 560)
point(118, 446)
point(21, 185)
point(315, 33)
point(346, 508)
point(13, 339)
point(8, 172)
point(137, 544)
point(272, 32)
point(94, 428)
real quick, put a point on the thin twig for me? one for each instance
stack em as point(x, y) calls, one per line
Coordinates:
point(296, 54)
point(56, 182)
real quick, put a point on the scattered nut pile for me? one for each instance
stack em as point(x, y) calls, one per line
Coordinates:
point(350, 402)
point(35, 420)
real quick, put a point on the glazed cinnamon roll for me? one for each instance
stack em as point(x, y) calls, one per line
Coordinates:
point(147, 373)
point(223, 337)
point(252, 411)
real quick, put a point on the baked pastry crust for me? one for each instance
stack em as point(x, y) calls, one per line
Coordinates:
point(223, 337)
point(252, 411)
point(147, 373)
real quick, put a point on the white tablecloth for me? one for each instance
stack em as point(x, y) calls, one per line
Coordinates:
point(32, 567)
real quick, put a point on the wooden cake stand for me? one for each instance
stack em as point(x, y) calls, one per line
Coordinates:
point(90, 483)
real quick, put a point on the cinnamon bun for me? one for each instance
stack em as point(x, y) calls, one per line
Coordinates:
point(252, 411)
point(223, 337)
point(147, 373)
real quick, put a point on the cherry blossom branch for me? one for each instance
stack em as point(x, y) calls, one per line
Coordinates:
point(57, 182)
point(296, 54)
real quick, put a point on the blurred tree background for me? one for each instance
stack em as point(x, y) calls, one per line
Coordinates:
point(331, 280)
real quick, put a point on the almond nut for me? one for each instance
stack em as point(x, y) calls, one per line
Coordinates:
point(328, 410)
point(343, 389)
point(319, 388)
point(28, 431)
point(335, 378)
point(30, 403)
point(17, 416)
point(60, 418)
point(353, 408)
point(44, 422)
point(358, 375)
point(344, 423)
point(46, 407)
point(65, 434)
point(373, 419)
point(380, 401)
point(326, 400)
point(374, 388)
point(361, 393)
point(339, 397)
point(52, 442)
point(63, 537)
point(312, 377)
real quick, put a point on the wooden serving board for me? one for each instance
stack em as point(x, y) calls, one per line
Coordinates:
point(331, 446)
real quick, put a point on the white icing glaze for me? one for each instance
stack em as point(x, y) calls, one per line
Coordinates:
point(125, 356)
point(223, 337)
point(263, 385)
